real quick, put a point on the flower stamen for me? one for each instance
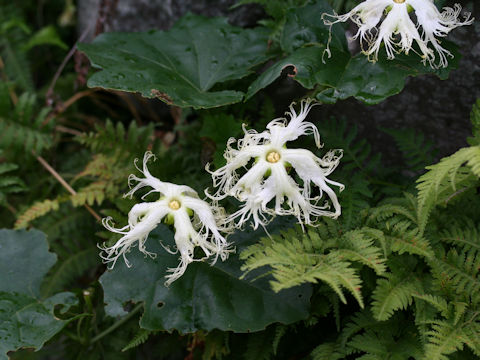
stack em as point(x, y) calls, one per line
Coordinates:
point(273, 157)
point(174, 204)
point(399, 1)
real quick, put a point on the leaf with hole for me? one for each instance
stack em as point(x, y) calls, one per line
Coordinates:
point(205, 297)
point(342, 75)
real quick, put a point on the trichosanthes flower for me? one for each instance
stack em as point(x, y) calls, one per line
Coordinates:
point(196, 223)
point(268, 187)
point(390, 22)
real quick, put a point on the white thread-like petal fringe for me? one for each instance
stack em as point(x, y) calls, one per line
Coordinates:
point(177, 202)
point(267, 188)
point(398, 32)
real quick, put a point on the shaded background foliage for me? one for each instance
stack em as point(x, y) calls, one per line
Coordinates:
point(394, 277)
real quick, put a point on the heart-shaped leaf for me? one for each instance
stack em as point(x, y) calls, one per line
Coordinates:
point(26, 320)
point(179, 66)
point(205, 297)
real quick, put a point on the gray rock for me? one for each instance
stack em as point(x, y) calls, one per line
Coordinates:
point(143, 15)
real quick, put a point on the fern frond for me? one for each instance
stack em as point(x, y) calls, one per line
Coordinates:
point(26, 130)
point(69, 270)
point(354, 199)
point(437, 302)
point(94, 192)
point(393, 293)
point(465, 236)
point(475, 120)
point(12, 38)
point(216, 345)
point(296, 258)
point(140, 338)
point(259, 345)
point(387, 344)
point(444, 339)
point(327, 351)
point(8, 183)
point(115, 139)
point(99, 167)
point(38, 209)
point(452, 174)
point(403, 240)
point(358, 245)
point(356, 153)
point(417, 152)
point(458, 272)
point(280, 331)
point(387, 212)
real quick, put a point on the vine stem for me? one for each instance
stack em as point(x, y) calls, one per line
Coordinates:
point(117, 324)
point(64, 62)
point(57, 176)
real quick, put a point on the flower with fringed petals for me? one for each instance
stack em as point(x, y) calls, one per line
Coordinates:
point(196, 223)
point(268, 187)
point(389, 22)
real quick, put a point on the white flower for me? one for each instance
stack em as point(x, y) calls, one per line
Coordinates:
point(397, 30)
point(176, 204)
point(268, 179)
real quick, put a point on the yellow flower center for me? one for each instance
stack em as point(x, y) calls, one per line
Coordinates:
point(273, 157)
point(399, 1)
point(174, 204)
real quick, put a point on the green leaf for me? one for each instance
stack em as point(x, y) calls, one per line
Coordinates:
point(205, 297)
point(26, 320)
point(303, 27)
point(24, 261)
point(45, 36)
point(342, 75)
point(392, 294)
point(179, 66)
point(446, 179)
point(219, 128)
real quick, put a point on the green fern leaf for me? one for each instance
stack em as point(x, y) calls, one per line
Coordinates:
point(38, 209)
point(116, 140)
point(445, 179)
point(8, 183)
point(354, 198)
point(465, 236)
point(444, 339)
point(140, 338)
point(475, 120)
point(458, 272)
point(327, 351)
point(437, 302)
point(417, 152)
point(356, 153)
point(393, 293)
point(69, 270)
point(216, 345)
point(296, 258)
point(359, 246)
point(259, 345)
point(403, 240)
point(26, 129)
point(280, 331)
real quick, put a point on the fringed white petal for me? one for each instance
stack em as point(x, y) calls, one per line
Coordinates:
point(266, 188)
point(176, 201)
point(398, 32)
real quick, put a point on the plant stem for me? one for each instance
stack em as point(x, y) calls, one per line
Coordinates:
point(117, 324)
point(57, 176)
